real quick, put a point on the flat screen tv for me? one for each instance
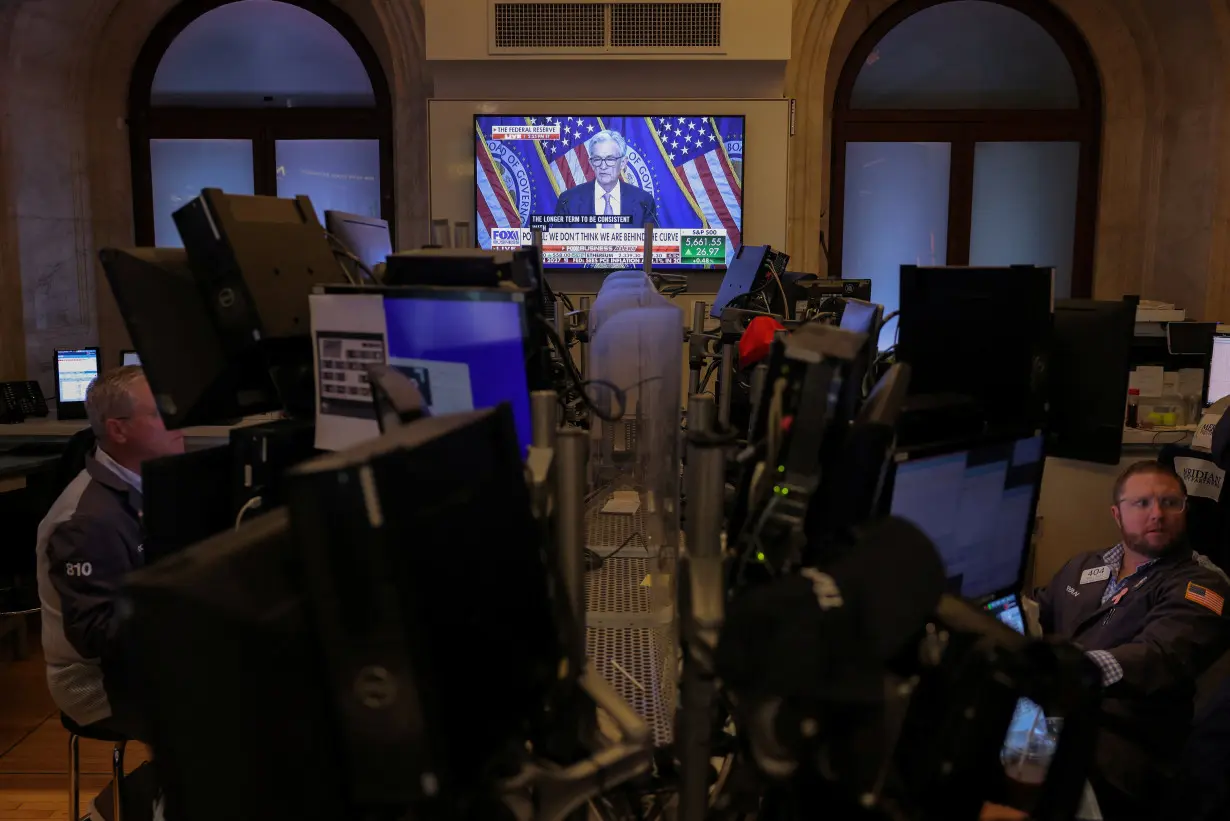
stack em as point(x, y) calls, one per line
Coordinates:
point(590, 183)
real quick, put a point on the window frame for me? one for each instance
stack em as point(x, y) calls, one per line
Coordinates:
point(964, 128)
point(263, 126)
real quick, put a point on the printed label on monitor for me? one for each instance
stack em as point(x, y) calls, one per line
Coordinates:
point(445, 386)
point(342, 363)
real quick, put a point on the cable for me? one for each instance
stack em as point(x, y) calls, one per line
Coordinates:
point(782, 289)
point(596, 561)
point(581, 384)
point(343, 251)
point(251, 504)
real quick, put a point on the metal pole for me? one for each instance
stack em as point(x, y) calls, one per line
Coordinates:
point(726, 384)
point(544, 412)
point(702, 611)
point(561, 323)
point(571, 451)
point(583, 348)
point(648, 248)
point(700, 412)
point(696, 347)
point(760, 374)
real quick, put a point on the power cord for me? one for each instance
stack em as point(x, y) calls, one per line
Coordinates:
point(595, 561)
point(581, 384)
point(340, 250)
point(248, 506)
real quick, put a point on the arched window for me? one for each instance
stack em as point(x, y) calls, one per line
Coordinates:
point(258, 97)
point(966, 133)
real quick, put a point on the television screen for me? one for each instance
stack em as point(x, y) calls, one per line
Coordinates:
point(590, 183)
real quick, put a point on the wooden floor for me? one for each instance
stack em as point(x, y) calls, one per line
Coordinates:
point(34, 747)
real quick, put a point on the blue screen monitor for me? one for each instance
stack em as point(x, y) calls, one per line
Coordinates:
point(75, 369)
point(976, 503)
point(130, 359)
point(465, 348)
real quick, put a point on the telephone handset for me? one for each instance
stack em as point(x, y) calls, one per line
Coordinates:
point(21, 399)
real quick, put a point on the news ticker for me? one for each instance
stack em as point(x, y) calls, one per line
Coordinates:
point(599, 246)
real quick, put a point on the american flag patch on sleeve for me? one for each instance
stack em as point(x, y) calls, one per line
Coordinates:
point(1206, 597)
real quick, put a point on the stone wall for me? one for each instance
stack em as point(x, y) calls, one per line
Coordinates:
point(65, 175)
point(1164, 205)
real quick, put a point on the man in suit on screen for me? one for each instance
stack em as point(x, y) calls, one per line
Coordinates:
point(606, 194)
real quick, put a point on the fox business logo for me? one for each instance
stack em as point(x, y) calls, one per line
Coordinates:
point(506, 236)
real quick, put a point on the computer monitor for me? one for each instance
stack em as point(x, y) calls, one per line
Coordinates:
point(75, 369)
point(741, 276)
point(862, 317)
point(465, 348)
point(188, 498)
point(367, 238)
point(980, 334)
point(1087, 378)
point(193, 378)
point(976, 501)
point(130, 359)
point(1218, 386)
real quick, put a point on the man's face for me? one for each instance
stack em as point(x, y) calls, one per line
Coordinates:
point(1151, 513)
point(142, 432)
point(607, 161)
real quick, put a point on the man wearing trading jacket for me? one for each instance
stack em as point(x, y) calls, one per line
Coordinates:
point(90, 539)
point(1150, 613)
point(606, 195)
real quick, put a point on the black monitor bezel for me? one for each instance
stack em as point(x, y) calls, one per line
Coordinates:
point(75, 410)
point(952, 446)
point(579, 269)
point(502, 294)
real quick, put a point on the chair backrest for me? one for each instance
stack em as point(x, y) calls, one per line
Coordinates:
point(72, 460)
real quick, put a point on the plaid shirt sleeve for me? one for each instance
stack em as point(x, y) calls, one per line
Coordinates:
point(1112, 670)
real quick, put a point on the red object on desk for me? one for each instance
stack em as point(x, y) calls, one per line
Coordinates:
point(757, 340)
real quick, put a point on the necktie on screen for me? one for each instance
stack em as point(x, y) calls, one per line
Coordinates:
point(606, 205)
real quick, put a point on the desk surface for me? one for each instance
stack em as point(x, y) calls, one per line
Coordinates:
point(51, 428)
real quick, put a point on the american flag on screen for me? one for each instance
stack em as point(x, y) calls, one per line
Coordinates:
point(496, 207)
point(695, 151)
point(567, 159)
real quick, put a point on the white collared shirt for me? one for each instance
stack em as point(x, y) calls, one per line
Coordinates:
point(600, 201)
point(119, 470)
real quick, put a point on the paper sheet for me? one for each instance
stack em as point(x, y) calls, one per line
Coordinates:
point(1191, 382)
point(1149, 379)
point(348, 335)
point(625, 502)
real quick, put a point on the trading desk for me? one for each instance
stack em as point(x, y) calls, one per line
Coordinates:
point(51, 429)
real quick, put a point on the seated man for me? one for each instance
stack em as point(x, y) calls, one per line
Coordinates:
point(1149, 612)
point(90, 539)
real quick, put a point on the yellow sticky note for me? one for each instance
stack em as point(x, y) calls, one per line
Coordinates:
point(647, 581)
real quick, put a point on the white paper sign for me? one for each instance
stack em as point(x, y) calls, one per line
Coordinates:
point(1203, 440)
point(348, 335)
point(1202, 477)
point(1150, 379)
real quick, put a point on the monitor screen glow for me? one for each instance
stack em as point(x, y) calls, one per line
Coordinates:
point(592, 182)
point(1219, 370)
point(977, 507)
point(75, 370)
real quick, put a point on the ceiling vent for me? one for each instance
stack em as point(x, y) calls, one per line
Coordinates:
point(611, 26)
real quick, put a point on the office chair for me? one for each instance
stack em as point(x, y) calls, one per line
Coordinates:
point(77, 732)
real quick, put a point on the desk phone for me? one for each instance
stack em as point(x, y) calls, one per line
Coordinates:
point(21, 399)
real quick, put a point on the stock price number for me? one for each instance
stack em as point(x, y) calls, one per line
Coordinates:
point(702, 249)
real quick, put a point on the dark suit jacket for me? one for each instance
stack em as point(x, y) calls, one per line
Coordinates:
point(633, 202)
point(1163, 641)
